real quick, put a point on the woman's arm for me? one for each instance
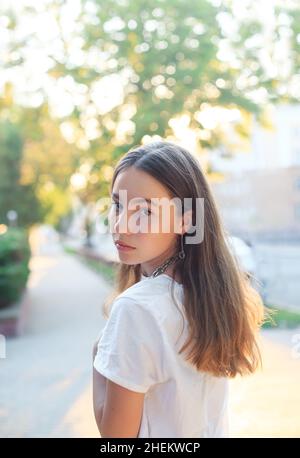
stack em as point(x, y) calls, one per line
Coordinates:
point(98, 404)
point(122, 412)
point(118, 411)
point(99, 389)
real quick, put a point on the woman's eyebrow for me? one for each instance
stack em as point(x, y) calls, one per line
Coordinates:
point(115, 195)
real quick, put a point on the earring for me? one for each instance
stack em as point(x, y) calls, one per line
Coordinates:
point(181, 254)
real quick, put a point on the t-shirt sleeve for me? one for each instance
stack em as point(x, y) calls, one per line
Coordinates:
point(130, 350)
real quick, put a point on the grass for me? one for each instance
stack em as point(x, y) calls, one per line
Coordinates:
point(106, 271)
point(282, 318)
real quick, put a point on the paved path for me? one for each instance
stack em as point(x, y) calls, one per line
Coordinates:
point(45, 381)
point(267, 404)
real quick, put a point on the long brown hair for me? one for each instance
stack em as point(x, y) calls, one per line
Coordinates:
point(223, 310)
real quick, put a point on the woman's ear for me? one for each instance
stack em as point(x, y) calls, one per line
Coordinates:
point(187, 221)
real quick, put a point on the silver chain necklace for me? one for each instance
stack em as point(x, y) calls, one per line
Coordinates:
point(161, 269)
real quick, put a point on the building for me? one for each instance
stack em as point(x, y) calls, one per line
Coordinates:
point(259, 196)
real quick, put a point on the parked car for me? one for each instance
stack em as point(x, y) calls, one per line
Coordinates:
point(244, 254)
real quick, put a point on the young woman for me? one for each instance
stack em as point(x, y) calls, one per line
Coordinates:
point(183, 318)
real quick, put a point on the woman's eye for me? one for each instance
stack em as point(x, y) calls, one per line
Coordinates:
point(147, 211)
point(117, 204)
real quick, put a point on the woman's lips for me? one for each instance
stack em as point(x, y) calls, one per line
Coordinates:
point(120, 246)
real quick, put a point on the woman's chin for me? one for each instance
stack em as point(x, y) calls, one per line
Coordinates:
point(127, 258)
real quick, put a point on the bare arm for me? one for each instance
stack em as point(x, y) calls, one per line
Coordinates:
point(122, 412)
point(119, 414)
point(99, 386)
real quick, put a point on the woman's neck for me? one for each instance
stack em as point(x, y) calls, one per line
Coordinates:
point(170, 272)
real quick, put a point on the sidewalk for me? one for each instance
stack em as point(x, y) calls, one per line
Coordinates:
point(267, 404)
point(45, 388)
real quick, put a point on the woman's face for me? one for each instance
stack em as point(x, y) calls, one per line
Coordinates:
point(148, 227)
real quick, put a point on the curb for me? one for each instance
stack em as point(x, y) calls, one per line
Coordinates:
point(13, 317)
point(91, 254)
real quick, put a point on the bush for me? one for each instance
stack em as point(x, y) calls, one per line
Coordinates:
point(14, 265)
point(283, 318)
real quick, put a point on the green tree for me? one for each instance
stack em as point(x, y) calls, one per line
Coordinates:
point(14, 195)
point(173, 57)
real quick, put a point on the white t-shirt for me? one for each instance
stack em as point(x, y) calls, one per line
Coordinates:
point(138, 349)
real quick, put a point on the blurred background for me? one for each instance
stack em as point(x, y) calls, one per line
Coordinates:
point(83, 81)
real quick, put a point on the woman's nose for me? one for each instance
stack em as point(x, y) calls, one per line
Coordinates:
point(120, 223)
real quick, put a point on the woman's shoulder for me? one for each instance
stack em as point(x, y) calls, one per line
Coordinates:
point(133, 307)
point(154, 296)
point(149, 304)
point(148, 289)
point(142, 293)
